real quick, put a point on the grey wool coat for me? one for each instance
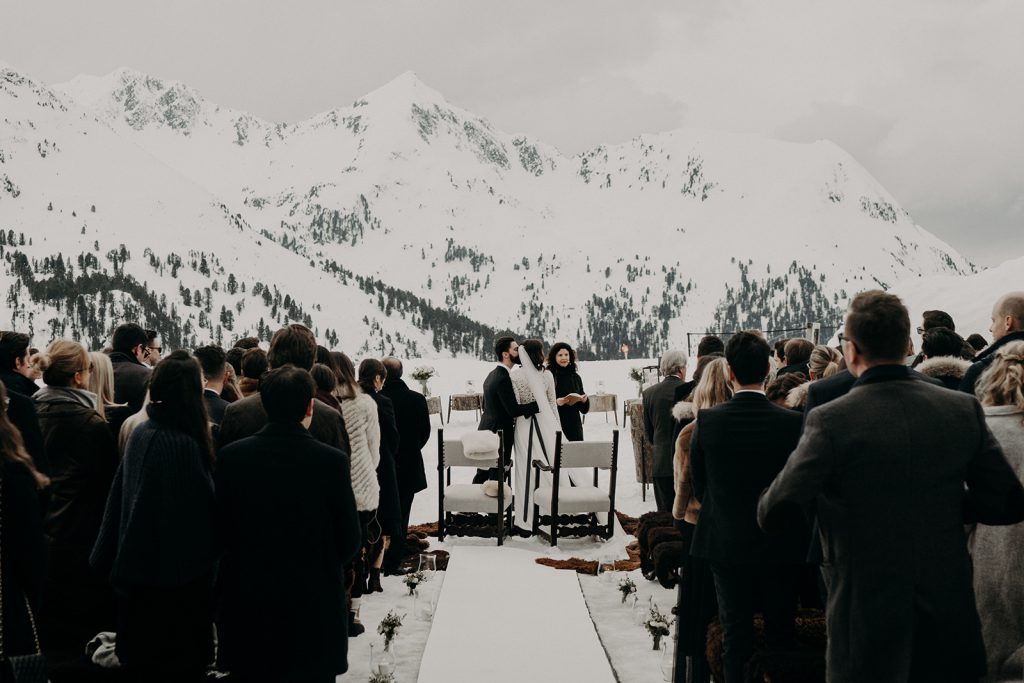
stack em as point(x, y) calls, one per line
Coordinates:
point(898, 467)
point(998, 554)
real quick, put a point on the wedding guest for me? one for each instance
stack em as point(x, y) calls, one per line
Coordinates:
point(254, 366)
point(362, 425)
point(1007, 326)
point(500, 408)
point(778, 389)
point(131, 375)
point(230, 392)
point(246, 343)
point(697, 601)
point(372, 375)
point(15, 366)
point(942, 356)
point(101, 383)
point(83, 458)
point(561, 363)
point(288, 522)
point(684, 393)
point(710, 346)
point(326, 384)
point(413, 422)
point(658, 401)
point(897, 468)
point(234, 358)
point(22, 543)
point(798, 352)
point(977, 342)
point(290, 345)
point(736, 450)
point(21, 411)
point(214, 364)
point(151, 356)
point(998, 551)
point(823, 362)
point(158, 544)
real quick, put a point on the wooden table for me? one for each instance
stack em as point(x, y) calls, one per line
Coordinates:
point(603, 403)
point(434, 407)
point(473, 401)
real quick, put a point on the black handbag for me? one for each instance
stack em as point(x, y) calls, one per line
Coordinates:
point(21, 668)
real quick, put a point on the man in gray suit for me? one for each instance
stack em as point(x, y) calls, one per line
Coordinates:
point(898, 467)
point(658, 425)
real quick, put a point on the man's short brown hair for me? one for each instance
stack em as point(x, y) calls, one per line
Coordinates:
point(798, 350)
point(294, 345)
point(879, 325)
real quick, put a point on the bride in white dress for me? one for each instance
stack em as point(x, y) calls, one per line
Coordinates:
point(530, 384)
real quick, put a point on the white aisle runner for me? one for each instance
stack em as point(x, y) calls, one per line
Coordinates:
point(503, 617)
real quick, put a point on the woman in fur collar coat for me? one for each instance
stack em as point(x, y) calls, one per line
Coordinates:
point(942, 350)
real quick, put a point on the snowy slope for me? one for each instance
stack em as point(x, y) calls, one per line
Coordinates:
point(640, 242)
point(968, 299)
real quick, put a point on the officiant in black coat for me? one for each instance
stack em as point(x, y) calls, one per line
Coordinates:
point(500, 406)
point(562, 364)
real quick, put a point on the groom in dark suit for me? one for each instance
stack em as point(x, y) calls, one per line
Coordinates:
point(500, 406)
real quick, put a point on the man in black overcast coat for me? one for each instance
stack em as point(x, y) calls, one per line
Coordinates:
point(413, 422)
point(737, 449)
point(288, 520)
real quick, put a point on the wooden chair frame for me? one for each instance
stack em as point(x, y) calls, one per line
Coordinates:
point(455, 523)
point(580, 524)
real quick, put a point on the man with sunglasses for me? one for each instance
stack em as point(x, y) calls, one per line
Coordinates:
point(131, 374)
point(153, 349)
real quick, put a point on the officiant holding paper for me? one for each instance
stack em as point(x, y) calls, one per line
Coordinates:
point(571, 398)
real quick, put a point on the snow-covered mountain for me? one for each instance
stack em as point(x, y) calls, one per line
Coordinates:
point(404, 221)
point(968, 299)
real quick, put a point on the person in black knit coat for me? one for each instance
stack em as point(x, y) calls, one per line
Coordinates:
point(158, 542)
point(562, 364)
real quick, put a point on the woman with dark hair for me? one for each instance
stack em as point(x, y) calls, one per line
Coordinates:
point(158, 544)
point(326, 383)
point(83, 458)
point(254, 366)
point(570, 397)
point(22, 544)
point(372, 375)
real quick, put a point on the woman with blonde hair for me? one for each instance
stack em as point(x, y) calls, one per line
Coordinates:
point(698, 599)
point(824, 362)
point(101, 383)
point(83, 458)
point(998, 551)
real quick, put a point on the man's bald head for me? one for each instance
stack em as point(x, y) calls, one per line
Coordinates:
point(1007, 315)
point(394, 367)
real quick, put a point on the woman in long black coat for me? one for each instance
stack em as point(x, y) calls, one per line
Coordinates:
point(158, 543)
point(23, 549)
point(562, 364)
point(372, 374)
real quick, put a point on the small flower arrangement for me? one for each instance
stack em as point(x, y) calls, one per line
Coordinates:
point(637, 375)
point(382, 678)
point(413, 580)
point(389, 626)
point(627, 587)
point(658, 625)
point(422, 374)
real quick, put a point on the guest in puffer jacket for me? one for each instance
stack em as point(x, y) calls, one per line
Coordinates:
point(78, 602)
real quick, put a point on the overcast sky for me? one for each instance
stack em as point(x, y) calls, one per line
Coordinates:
point(927, 94)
